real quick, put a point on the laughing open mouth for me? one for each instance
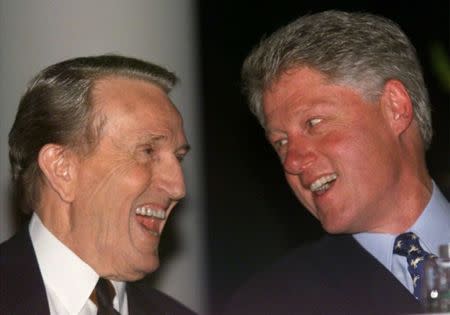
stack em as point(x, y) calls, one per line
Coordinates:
point(151, 219)
point(322, 184)
point(149, 212)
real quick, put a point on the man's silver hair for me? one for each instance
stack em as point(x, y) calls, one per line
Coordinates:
point(361, 50)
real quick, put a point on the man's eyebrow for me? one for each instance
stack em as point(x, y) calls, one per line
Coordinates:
point(151, 138)
point(269, 132)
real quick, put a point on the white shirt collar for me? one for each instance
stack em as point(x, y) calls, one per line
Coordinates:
point(62, 270)
point(119, 299)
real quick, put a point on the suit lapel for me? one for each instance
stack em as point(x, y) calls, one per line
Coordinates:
point(381, 289)
point(135, 306)
point(142, 302)
point(21, 276)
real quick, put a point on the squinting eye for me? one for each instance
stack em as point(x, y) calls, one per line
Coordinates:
point(148, 150)
point(314, 121)
point(180, 157)
point(279, 143)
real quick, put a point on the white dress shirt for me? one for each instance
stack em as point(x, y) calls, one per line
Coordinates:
point(432, 227)
point(68, 280)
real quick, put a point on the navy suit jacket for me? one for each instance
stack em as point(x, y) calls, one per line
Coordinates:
point(22, 290)
point(335, 275)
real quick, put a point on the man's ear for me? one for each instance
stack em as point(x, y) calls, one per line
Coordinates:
point(58, 165)
point(397, 106)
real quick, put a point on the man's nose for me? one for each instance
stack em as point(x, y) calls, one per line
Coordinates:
point(299, 156)
point(171, 179)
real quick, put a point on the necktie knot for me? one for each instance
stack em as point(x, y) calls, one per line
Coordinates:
point(408, 245)
point(103, 297)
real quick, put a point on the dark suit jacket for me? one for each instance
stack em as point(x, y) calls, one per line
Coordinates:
point(332, 276)
point(22, 289)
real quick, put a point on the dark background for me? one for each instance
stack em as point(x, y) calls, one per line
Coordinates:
point(252, 216)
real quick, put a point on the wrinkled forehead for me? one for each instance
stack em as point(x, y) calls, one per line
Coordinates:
point(129, 94)
point(138, 103)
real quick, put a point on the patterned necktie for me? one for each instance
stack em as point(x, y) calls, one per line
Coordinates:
point(103, 296)
point(407, 245)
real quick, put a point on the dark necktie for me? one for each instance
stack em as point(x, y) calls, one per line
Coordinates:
point(103, 297)
point(407, 245)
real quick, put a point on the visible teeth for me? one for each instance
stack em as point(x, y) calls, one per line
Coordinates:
point(149, 212)
point(322, 183)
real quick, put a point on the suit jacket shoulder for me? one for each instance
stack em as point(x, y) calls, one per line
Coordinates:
point(332, 276)
point(22, 289)
point(143, 299)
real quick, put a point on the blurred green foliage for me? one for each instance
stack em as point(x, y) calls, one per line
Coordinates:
point(440, 64)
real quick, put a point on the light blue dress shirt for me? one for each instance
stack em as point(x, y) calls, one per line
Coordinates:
point(432, 228)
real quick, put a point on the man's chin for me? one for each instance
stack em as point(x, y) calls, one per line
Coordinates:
point(139, 272)
point(333, 227)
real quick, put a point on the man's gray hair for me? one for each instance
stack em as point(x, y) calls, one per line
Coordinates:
point(357, 49)
point(58, 108)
